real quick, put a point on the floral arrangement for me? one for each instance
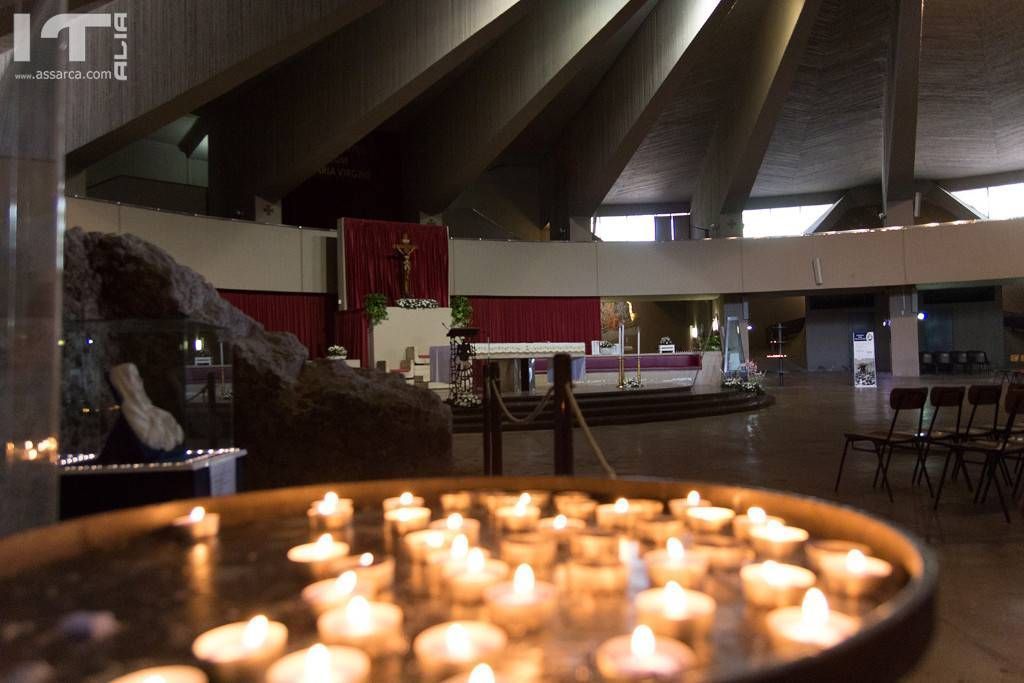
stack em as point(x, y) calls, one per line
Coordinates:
point(462, 311)
point(467, 401)
point(605, 344)
point(416, 304)
point(665, 341)
point(634, 382)
point(746, 378)
point(337, 351)
point(713, 343)
point(376, 306)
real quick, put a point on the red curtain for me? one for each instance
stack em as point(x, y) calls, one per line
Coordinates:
point(304, 315)
point(352, 330)
point(530, 319)
point(373, 266)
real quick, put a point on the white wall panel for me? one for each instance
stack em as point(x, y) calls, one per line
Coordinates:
point(950, 252)
point(489, 268)
point(669, 268)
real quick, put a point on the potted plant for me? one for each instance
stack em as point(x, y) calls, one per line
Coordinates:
point(376, 306)
point(337, 352)
point(462, 311)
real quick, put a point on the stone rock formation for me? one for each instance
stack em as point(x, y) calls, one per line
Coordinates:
point(301, 422)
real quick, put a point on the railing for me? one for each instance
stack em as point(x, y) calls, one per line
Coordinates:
point(565, 412)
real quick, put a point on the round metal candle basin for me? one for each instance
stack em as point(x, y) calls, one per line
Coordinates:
point(166, 590)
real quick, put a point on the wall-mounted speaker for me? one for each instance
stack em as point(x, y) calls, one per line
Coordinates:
point(816, 267)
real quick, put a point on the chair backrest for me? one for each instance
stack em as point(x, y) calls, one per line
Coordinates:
point(903, 398)
point(942, 357)
point(961, 356)
point(946, 397)
point(1013, 404)
point(979, 357)
point(984, 394)
point(926, 357)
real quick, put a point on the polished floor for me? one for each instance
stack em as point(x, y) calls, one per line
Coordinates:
point(795, 446)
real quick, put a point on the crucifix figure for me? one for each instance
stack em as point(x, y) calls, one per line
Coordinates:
point(405, 249)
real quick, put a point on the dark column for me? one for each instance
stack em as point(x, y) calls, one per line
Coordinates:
point(563, 415)
point(663, 228)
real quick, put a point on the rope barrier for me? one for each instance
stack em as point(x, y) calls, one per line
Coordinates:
point(196, 395)
point(590, 437)
point(521, 420)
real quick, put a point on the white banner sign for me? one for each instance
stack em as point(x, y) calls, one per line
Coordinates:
point(864, 374)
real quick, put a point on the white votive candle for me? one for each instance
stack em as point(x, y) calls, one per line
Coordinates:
point(724, 553)
point(643, 656)
point(405, 519)
point(481, 673)
point(419, 544)
point(467, 585)
point(374, 627)
point(561, 528)
point(578, 506)
point(523, 604)
point(198, 524)
point(804, 630)
point(329, 593)
point(659, 529)
point(594, 545)
point(523, 516)
point(164, 674)
point(457, 646)
point(707, 519)
point(377, 572)
point(818, 550)
point(323, 557)
point(330, 512)
point(537, 549)
point(596, 577)
point(242, 649)
point(674, 563)
point(457, 523)
point(754, 517)
point(679, 506)
point(772, 584)
point(405, 500)
point(539, 498)
point(442, 564)
point(322, 664)
point(457, 501)
point(776, 540)
point(676, 612)
point(854, 574)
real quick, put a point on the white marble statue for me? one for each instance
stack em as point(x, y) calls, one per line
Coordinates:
point(154, 426)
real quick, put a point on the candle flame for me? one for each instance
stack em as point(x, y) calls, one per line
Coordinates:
point(323, 544)
point(346, 583)
point(856, 563)
point(331, 498)
point(560, 522)
point(405, 499)
point(197, 514)
point(460, 547)
point(255, 633)
point(458, 643)
point(756, 515)
point(693, 499)
point(523, 581)
point(454, 521)
point(329, 505)
point(366, 559)
point(621, 506)
point(675, 600)
point(642, 644)
point(524, 499)
point(317, 666)
point(475, 561)
point(521, 504)
point(674, 549)
point(357, 614)
point(814, 609)
point(481, 673)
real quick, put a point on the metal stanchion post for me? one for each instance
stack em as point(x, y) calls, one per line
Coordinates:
point(494, 382)
point(562, 366)
point(485, 406)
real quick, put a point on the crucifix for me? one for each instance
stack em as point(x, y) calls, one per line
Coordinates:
point(405, 249)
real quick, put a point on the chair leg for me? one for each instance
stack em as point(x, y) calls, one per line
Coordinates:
point(999, 488)
point(842, 460)
point(885, 472)
point(942, 480)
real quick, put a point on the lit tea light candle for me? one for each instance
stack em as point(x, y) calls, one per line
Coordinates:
point(374, 627)
point(468, 583)
point(243, 649)
point(456, 523)
point(776, 540)
point(522, 516)
point(615, 516)
point(481, 673)
point(457, 646)
point(537, 549)
point(804, 630)
point(419, 544)
point(561, 527)
point(523, 604)
point(330, 512)
point(818, 551)
point(754, 517)
point(539, 498)
point(405, 500)
point(457, 501)
point(402, 520)
point(492, 500)
point(724, 553)
point(659, 529)
point(376, 572)
point(575, 505)
point(708, 519)
point(854, 574)
point(676, 612)
point(643, 656)
point(321, 664)
point(442, 564)
point(772, 584)
point(674, 563)
point(596, 577)
point(323, 557)
point(198, 523)
point(594, 545)
point(330, 593)
point(679, 506)
point(164, 674)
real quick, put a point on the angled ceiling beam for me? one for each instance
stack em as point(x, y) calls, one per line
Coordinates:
point(461, 134)
point(601, 139)
point(738, 145)
point(900, 137)
point(199, 130)
point(854, 198)
point(179, 60)
point(945, 200)
point(336, 93)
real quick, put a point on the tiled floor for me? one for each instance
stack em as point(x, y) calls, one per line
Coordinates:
point(795, 446)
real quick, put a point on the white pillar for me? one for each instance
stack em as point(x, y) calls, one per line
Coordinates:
point(903, 348)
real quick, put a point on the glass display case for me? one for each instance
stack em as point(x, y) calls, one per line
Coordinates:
point(184, 365)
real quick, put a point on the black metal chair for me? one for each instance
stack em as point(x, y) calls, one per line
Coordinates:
point(979, 359)
point(943, 361)
point(961, 360)
point(939, 397)
point(882, 443)
point(927, 361)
